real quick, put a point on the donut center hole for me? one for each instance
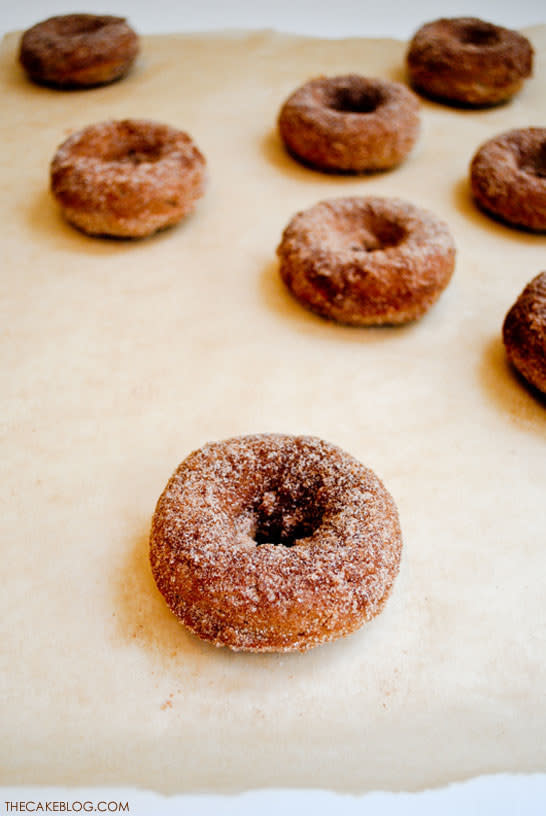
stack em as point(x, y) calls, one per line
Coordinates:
point(124, 147)
point(354, 100)
point(367, 233)
point(534, 161)
point(141, 154)
point(283, 522)
point(79, 25)
point(479, 34)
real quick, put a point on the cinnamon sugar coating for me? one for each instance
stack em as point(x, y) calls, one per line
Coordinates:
point(366, 261)
point(350, 123)
point(464, 60)
point(78, 50)
point(274, 543)
point(508, 177)
point(524, 333)
point(127, 178)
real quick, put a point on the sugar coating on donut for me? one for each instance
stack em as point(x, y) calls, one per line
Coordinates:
point(465, 60)
point(366, 260)
point(127, 178)
point(524, 332)
point(350, 123)
point(508, 177)
point(78, 50)
point(272, 542)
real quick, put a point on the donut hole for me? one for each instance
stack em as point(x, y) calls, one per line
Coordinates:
point(364, 232)
point(125, 146)
point(533, 160)
point(74, 25)
point(479, 34)
point(283, 520)
point(140, 154)
point(354, 99)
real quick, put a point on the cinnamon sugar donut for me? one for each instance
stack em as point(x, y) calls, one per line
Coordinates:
point(508, 177)
point(350, 123)
point(127, 178)
point(524, 333)
point(464, 60)
point(273, 543)
point(78, 50)
point(366, 261)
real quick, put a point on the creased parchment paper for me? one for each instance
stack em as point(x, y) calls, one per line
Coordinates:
point(119, 358)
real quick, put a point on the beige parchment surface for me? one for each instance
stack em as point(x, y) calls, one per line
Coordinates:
point(119, 358)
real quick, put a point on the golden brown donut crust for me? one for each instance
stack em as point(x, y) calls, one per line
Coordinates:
point(465, 60)
point(127, 178)
point(366, 261)
point(508, 177)
point(274, 543)
point(78, 50)
point(524, 333)
point(350, 123)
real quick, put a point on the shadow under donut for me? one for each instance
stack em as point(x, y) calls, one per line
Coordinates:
point(466, 204)
point(509, 390)
point(277, 154)
point(279, 299)
point(46, 219)
point(145, 621)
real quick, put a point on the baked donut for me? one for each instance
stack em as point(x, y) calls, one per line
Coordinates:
point(524, 333)
point(274, 543)
point(366, 261)
point(78, 50)
point(127, 178)
point(350, 123)
point(508, 177)
point(466, 61)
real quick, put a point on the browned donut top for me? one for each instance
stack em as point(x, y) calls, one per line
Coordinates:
point(524, 332)
point(350, 122)
point(370, 228)
point(469, 58)
point(508, 176)
point(62, 49)
point(124, 166)
point(273, 542)
point(340, 100)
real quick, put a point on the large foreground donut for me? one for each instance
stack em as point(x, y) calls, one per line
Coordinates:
point(272, 543)
point(78, 50)
point(467, 61)
point(366, 261)
point(350, 123)
point(508, 177)
point(127, 178)
point(524, 332)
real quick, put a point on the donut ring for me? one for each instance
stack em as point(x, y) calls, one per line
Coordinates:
point(524, 333)
point(366, 261)
point(127, 178)
point(350, 123)
point(78, 50)
point(466, 61)
point(508, 177)
point(273, 543)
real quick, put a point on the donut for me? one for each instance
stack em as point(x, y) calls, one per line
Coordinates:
point(127, 178)
point(366, 261)
point(466, 61)
point(350, 123)
point(524, 333)
point(78, 50)
point(274, 543)
point(508, 177)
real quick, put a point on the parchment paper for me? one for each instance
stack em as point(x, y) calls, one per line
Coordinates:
point(119, 358)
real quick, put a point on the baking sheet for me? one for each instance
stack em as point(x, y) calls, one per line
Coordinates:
point(119, 358)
